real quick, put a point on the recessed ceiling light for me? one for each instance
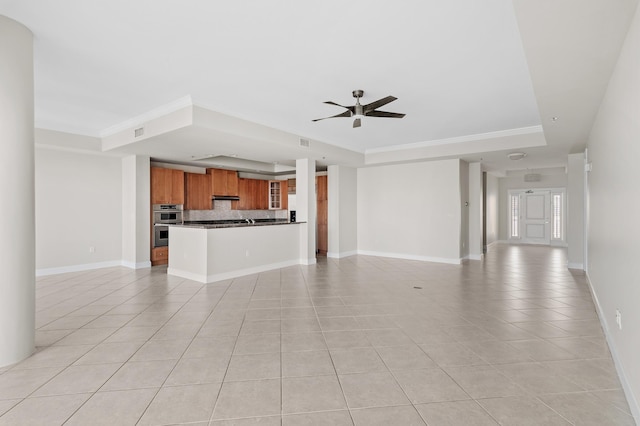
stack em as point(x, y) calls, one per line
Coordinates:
point(554, 119)
point(516, 156)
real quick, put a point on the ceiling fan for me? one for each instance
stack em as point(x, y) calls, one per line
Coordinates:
point(370, 110)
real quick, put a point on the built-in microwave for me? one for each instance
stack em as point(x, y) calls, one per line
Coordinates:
point(167, 213)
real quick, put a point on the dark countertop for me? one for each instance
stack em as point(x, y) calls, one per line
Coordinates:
point(233, 223)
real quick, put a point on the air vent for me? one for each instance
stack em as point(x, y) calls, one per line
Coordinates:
point(305, 143)
point(532, 177)
point(138, 132)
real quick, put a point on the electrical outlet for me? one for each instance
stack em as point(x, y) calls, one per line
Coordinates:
point(92, 249)
point(619, 319)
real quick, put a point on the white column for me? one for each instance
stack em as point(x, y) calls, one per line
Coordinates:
point(17, 260)
point(475, 211)
point(306, 208)
point(136, 212)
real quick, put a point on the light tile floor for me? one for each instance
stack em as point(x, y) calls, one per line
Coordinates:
point(512, 340)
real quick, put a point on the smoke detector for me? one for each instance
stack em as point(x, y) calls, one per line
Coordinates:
point(515, 156)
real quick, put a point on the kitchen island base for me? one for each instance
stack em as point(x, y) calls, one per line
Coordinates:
point(208, 255)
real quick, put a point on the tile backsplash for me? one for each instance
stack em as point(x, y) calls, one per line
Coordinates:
point(222, 211)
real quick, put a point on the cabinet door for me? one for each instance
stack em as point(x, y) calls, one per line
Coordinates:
point(197, 191)
point(263, 195)
point(243, 193)
point(160, 185)
point(177, 187)
point(232, 182)
point(254, 189)
point(218, 181)
point(275, 201)
point(284, 194)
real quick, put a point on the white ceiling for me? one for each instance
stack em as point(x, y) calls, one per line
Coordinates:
point(461, 69)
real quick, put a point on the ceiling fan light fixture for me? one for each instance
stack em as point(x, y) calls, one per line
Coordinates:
point(358, 111)
point(516, 156)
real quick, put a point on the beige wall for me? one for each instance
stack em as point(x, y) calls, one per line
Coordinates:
point(78, 206)
point(411, 210)
point(614, 209)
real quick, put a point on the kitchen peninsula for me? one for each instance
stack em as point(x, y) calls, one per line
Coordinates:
point(217, 251)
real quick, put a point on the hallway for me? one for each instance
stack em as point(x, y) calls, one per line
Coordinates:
point(513, 339)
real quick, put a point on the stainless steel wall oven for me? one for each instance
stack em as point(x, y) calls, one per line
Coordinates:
point(164, 215)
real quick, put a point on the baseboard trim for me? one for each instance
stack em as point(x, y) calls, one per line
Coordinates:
point(208, 279)
point(77, 268)
point(474, 257)
point(411, 257)
point(572, 265)
point(628, 392)
point(340, 255)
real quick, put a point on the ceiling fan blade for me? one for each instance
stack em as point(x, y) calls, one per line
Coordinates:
point(344, 114)
point(350, 108)
point(379, 103)
point(384, 114)
point(357, 123)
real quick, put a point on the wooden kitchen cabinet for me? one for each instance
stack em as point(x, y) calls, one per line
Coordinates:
point(177, 187)
point(263, 194)
point(223, 182)
point(243, 193)
point(167, 186)
point(159, 256)
point(253, 193)
point(197, 191)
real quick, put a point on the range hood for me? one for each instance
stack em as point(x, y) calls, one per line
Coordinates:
point(225, 197)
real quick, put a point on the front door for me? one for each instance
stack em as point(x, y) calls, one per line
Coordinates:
point(536, 209)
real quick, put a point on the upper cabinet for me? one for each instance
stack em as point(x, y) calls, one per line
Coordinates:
point(256, 194)
point(224, 182)
point(278, 195)
point(197, 191)
point(167, 186)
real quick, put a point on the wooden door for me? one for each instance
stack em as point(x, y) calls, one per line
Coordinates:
point(197, 191)
point(322, 215)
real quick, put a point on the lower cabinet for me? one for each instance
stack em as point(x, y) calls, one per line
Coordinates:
point(159, 256)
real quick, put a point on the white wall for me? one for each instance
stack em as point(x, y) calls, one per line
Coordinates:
point(78, 206)
point(492, 208)
point(614, 204)
point(575, 211)
point(517, 182)
point(342, 211)
point(410, 211)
